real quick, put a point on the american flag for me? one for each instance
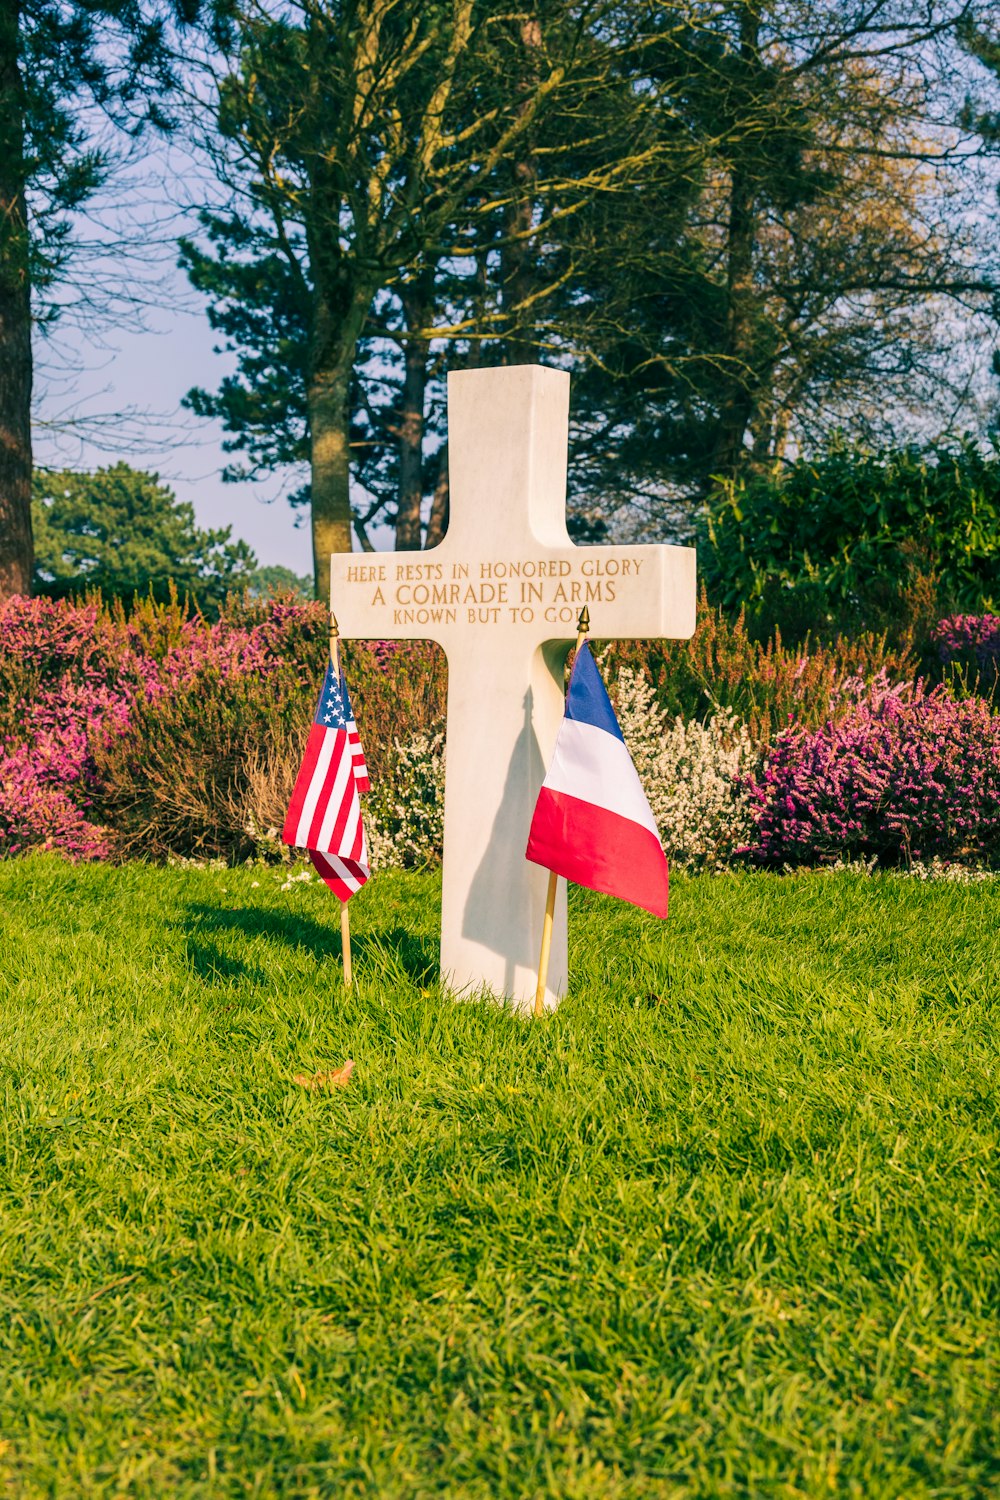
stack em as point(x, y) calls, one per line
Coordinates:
point(325, 813)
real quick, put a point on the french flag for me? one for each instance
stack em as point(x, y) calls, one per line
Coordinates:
point(592, 822)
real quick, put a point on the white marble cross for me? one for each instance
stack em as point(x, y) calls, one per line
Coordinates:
point(502, 594)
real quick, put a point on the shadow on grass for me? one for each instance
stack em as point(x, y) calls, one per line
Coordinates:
point(389, 952)
point(213, 967)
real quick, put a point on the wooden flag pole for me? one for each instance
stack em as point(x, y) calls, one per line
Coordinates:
point(345, 919)
point(345, 942)
point(582, 631)
point(543, 957)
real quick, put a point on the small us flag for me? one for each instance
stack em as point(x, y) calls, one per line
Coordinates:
point(325, 812)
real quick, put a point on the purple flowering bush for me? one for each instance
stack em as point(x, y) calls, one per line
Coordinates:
point(959, 636)
point(66, 682)
point(970, 646)
point(909, 774)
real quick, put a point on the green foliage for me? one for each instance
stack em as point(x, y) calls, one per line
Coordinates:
point(859, 540)
point(268, 582)
point(720, 1227)
point(123, 532)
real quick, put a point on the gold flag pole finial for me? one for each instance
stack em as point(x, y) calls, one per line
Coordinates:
point(345, 920)
point(334, 643)
point(582, 631)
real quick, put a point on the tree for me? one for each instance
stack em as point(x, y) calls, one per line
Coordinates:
point(367, 150)
point(807, 280)
point(63, 65)
point(123, 532)
point(264, 583)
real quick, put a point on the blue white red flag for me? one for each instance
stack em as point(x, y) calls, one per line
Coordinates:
point(325, 812)
point(592, 822)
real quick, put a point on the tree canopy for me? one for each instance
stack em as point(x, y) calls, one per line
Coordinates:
point(740, 223)
point(122, 531)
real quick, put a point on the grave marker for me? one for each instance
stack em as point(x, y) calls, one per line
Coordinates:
point(502, 594)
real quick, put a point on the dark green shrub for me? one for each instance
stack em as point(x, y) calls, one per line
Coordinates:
point(856, 541)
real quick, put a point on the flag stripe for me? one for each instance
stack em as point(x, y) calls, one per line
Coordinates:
point(358, 849)
point(587, 700)
point(596, 767)
point(303, 781)
point(335, 801)
point(600, 849)
point(311, 799)
point(344, 877)
point(340, 840)
point(348, 871)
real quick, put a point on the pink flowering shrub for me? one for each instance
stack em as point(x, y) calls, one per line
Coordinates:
point(66, 682)
point(909, 774)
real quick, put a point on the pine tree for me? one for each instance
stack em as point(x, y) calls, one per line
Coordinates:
point(122, 531)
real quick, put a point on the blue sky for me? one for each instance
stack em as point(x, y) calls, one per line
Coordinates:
point(132, 340)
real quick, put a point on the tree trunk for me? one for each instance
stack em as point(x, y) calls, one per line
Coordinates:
point(16, 552)
point(517, 270)
point(417, 312)
point(338, 319)
point(737, 400)
point(330, 439)
point(518, 275)
point(736, 407)
point(437, 523)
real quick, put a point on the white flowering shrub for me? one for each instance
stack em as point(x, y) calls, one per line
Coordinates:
point(404, 816)
point(942, 869)
point(935, 868)
point(690, 773)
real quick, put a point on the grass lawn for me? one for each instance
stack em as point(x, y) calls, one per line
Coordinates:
point(727, 1225)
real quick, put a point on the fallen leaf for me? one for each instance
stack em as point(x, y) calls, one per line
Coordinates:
point(335, 1078)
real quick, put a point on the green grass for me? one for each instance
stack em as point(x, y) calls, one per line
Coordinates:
point(727, 1225)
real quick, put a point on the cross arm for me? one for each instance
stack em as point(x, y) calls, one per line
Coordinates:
point(631, 592)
